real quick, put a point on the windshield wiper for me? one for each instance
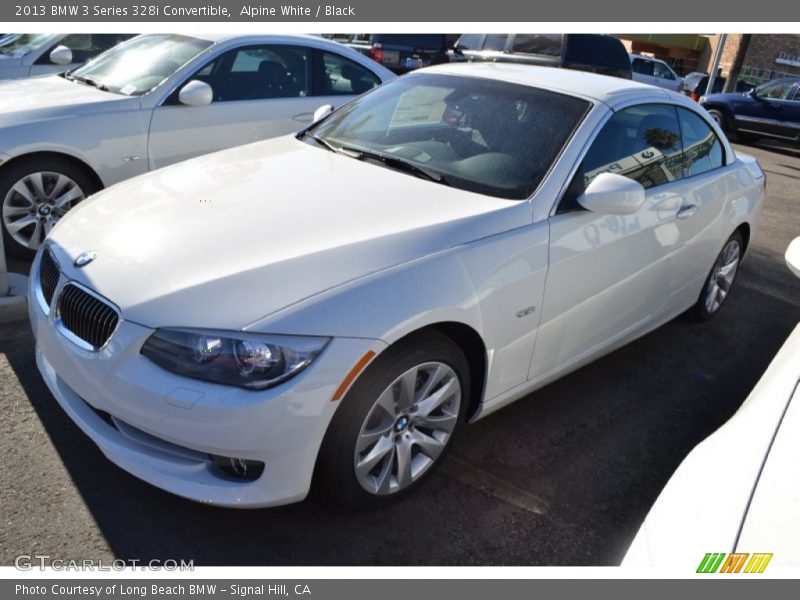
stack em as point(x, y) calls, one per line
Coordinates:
point(400, 164)
point(333, 148)
point(89, 81)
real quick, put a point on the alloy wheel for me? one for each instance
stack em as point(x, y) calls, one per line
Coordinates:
point(722, 276)
point(407, 428)
point(35, 203)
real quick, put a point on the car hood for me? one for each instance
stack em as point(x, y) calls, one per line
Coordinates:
point(226, 239)
point(48, 97)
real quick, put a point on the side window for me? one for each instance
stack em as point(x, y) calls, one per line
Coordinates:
point(702, 150)
point(342, 76)
point(470, 41)
point(495, 41)
point(258, 73)
point(548, 44)
point(85, 46)
point(641, 142)
point(778, 90)
point(642, 66)
point(661, 70)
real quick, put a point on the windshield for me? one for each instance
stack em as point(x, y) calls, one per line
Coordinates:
point(490, 137)
point(135, 67)
point(20, 45)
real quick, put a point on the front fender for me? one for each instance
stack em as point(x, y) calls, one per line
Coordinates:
point(494, 285)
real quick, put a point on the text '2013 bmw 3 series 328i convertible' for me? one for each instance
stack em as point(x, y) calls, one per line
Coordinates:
point(333, 306)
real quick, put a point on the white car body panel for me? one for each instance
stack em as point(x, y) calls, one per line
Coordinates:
point(282, 237)
point(739, 490)
point(118, 137)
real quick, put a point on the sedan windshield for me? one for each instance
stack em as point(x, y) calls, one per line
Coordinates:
point(480, 135)
point(135, 67)
point(20, 45)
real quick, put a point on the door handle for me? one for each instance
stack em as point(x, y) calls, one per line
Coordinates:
point(684, 212)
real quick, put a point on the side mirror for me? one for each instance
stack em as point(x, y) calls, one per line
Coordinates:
point(196, 93)
point(322, 112)
point(61, 55)
point(612, 194)
point(793, 256)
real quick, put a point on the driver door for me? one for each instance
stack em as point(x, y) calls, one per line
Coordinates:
point(609, 276)
point(762, 112)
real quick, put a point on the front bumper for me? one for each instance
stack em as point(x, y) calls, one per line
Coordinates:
point(167, 425)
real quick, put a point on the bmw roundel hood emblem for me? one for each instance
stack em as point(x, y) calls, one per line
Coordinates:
point(84, 258)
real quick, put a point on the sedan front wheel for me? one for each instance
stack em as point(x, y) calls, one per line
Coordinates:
point(35, 195)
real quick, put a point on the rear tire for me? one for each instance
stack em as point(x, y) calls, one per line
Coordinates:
point(719, 117)
point(381, 443)
point(720, 280)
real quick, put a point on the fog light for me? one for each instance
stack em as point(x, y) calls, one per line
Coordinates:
point(242, 469)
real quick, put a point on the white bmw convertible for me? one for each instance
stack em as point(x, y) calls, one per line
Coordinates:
point(334, 306)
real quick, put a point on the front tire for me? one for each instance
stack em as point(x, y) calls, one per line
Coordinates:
point(396, 423)
point(35, 193)
point(720, 280)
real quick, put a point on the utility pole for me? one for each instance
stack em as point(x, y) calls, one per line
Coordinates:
point(712, 77)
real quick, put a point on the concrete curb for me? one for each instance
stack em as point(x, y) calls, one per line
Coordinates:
point(14, 306)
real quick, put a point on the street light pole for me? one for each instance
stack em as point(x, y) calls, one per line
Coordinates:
point(712, 77)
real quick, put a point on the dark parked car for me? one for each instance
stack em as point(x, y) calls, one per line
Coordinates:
point(771, 110)
point(400, 52)
point(602, 54)
point(695, 85)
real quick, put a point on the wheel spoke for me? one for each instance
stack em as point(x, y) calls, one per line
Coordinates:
point(13, 211)
point(428, 444)
point(36, 238)
point(22, 190)
point(37, 183)
point(68, 197)
point(712, 297)
point(406, 389)
point(20, 224)
point(403, 459)
point(59, 186)
point(374, 456)
point(446, 422)
point(366, 439)
point(434, 378)
point(435, 400)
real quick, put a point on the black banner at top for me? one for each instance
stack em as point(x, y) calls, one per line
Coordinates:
point(353, 11)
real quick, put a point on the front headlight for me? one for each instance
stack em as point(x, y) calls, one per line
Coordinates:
point(249, 360)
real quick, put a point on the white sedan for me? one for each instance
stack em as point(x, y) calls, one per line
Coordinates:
point(25, 55)
point(336, 304)
point(152, 101)
point(734, 503)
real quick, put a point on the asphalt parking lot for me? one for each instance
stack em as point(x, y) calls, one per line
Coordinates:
point(563, 477)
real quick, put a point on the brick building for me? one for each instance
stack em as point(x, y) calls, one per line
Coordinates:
point(748, 58)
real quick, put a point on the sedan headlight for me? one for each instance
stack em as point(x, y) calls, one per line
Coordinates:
point(249, 360)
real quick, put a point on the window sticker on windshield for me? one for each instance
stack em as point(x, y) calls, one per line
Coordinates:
point(128, 89)
point(420, 106)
